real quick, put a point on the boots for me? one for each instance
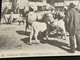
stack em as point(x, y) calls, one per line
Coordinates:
point(78, 43)
point(72, 44)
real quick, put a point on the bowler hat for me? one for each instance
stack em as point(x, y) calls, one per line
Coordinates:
point(72, 5)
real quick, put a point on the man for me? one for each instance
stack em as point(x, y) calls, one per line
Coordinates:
point(57, 15)
point(73, 19)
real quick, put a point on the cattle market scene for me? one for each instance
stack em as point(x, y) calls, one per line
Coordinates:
point(39, 28)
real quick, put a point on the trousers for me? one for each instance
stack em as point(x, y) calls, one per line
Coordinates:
point(72, 42)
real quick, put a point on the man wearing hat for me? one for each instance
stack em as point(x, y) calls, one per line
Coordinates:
point(73, 19)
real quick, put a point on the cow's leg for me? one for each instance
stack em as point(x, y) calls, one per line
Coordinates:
point(26, 24)
point(46, 34)
point(11, 21)
point(61, 34)
point(23, 22)
point(40, 34)
point(36, 34)
point(48, 31)
point(8, 20)
point(19, 22)
point(57, 29)
point(31, 35)
point(26, 27)
point(65, 34)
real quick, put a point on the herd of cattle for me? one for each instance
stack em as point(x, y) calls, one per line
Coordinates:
point(40, 22)
point(44, 21)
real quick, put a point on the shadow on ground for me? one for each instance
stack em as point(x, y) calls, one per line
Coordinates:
point(23, 33)
point(25, 40)
point(55, 35)
point(56, 43)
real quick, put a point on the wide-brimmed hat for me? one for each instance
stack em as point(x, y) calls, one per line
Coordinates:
point(72, 5)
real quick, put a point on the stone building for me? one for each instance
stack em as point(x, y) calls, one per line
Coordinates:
point(64, 3)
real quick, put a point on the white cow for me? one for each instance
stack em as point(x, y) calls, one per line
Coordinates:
point(60, 24)
point(32, 16)
point(42, 26)
point(60, 27)
point(36, 28)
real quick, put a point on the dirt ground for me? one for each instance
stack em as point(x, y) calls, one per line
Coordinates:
point(13, 38)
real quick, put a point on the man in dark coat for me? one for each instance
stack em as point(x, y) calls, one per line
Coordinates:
point(74, 27)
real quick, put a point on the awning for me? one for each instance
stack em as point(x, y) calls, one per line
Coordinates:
point(33, 5)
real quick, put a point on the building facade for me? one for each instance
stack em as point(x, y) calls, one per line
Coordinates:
point(15, 5)
point(37, 4)
point(64, 3)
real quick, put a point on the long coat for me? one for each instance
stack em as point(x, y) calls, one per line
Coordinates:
point(74, 22)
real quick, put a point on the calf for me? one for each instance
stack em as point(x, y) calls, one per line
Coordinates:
point(36, 28)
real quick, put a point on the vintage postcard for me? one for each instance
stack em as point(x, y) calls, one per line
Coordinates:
point(34, 28)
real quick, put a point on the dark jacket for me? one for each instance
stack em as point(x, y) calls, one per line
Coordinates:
point(73, 19)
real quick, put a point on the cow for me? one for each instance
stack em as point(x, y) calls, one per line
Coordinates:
point(44, 26)
point(59, 24)
point(32, 17)
point(36, 28)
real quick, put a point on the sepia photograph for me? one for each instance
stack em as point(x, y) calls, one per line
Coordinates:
point(35, 28)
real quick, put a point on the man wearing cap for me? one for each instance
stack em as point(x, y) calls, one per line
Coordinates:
point(73, 20)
